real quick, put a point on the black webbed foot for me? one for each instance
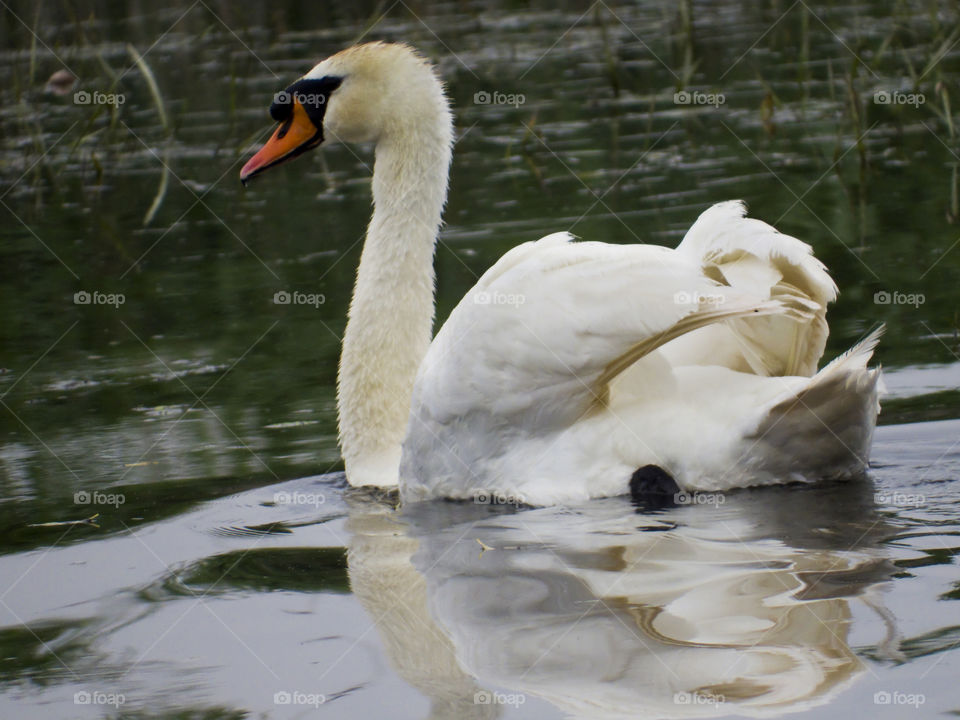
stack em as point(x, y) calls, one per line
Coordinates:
point(653, 487)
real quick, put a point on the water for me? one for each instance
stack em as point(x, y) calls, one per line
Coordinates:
point(228, 562)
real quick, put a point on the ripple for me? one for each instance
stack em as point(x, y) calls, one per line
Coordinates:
point(257, 570)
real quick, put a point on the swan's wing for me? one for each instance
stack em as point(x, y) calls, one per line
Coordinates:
point(548, 327)
point(754, 257)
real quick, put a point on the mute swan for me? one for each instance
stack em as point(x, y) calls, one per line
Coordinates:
point(570, 365)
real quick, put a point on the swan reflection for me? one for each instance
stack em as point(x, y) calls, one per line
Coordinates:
point(741, 607)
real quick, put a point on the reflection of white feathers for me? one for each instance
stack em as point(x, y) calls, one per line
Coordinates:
point(610, 615)
point(394, 595)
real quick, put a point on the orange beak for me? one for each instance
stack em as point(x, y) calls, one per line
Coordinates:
point(293, 137)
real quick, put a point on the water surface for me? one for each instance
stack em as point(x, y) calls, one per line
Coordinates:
point(228, 563)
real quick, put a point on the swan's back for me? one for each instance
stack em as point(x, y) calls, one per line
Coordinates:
point(572, 364)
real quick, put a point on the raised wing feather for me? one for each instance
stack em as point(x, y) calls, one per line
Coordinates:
point(537, 340)
point(754, 257)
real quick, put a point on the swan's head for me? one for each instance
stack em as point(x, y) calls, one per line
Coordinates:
point(362, 94)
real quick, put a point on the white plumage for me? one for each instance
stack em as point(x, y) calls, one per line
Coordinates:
point(570, 365)
point(583, 361)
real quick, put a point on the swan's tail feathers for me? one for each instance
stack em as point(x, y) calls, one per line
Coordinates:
point(859, 355)
point(752, 256)
point(827, 426)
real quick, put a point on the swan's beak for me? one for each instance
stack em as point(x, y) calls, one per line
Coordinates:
point(293, 137)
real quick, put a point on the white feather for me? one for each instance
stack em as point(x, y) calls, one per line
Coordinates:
point(515, 394)
point(571, 364)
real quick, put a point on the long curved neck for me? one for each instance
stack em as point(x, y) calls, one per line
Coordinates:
point(390, 321)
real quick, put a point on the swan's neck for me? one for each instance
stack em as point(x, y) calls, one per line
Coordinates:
point(390, 322)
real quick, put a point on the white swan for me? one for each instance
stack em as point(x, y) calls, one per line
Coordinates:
point(570, 365)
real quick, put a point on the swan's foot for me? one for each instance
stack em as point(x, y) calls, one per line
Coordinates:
point(652, 482)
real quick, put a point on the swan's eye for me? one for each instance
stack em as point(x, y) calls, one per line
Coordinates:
point(312, 94)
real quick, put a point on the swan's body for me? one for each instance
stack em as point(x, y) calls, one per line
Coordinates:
point(570, 364)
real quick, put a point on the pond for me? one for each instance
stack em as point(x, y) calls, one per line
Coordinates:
point(178, 538)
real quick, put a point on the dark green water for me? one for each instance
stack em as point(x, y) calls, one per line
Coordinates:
point(202, 595)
